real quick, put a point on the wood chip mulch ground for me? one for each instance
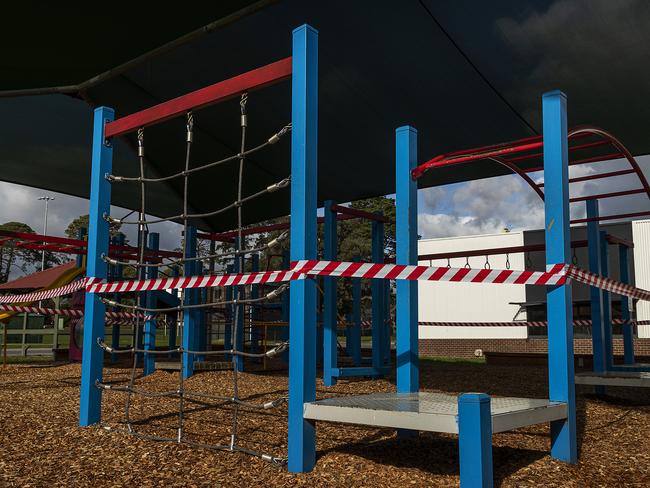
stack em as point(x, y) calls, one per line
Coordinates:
point(41, 445)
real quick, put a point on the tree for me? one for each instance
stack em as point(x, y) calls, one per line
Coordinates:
point(21, 259)
point(81, 222)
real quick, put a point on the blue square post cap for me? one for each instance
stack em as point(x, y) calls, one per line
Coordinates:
point(474, 398)
point(305, 26)
point(554, 93)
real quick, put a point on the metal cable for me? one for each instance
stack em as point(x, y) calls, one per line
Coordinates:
point(271, 140)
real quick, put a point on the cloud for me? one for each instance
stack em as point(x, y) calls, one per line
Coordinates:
point(21, 204)
point(489, 205)
point(570, 43)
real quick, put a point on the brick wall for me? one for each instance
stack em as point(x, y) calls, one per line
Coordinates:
point(464, 348)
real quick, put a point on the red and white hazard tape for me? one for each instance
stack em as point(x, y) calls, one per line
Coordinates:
point(607, 284)
point(300, 269)
point(205, 281)
point(68, 312)
point(534, 323)
point(555, 276)
point(44, 295)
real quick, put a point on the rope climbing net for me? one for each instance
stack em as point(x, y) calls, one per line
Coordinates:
point(190, 304)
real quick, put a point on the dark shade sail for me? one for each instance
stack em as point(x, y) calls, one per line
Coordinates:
point(463, 73)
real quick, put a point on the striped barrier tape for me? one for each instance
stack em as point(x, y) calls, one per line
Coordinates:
point(301, 269)
point(534, 323)
point(68, 312)
point(607, 284)
point(555, 275)
point(46, 294)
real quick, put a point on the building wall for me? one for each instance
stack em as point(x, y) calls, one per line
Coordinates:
point(468, 348)
point(641, 233)
point(470, 302)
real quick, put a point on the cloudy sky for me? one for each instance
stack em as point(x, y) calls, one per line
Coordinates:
point(476, 207)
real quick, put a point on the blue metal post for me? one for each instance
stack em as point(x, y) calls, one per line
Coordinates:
point(304, 188)
point(230, 317)
point(284, 311)
point(238, 313)
point(329, 300)
point(475, 440)
point(150, 301)
point(388, 328)
point(119, 274)
point(406, 231)
point(173, 327)
point(94, 310)
point(628, 328)
point(560, 310)
point(595, 294)
point(255, 293)
point(81, 234)
point(378, 295)
point(607, 304)
point(355, 332)
point(190, 321)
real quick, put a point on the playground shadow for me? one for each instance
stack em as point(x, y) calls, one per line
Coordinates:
point(432, 453)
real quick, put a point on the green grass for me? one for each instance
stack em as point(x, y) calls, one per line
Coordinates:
point(28, 360)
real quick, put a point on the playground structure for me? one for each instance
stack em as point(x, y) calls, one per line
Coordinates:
point(474, 417)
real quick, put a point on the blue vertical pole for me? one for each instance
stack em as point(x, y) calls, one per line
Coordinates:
point(238, 313)
point(355, 332)
point(150, 301)
point(284, 311)
point(230, 317)
point(595, 294)
point(138, 329)
point(628, 328)
point(329, 299)
point(607, 304)
point(119, 274)
point(304, 188)
point(475, 440)
point(94, 310)
point(189, 317)
point(406, 231)
point(173, 326)
point(81, 234)
point(560, 310)
point(378, 295)
point(255, 293)
point(387, 323)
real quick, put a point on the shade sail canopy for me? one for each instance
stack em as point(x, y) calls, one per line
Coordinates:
point(464, 74)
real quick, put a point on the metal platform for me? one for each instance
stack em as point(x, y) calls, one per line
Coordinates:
point(614, 378)
point(434, 412)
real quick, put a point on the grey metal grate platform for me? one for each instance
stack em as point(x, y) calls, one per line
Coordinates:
point(614, 378)
point(434, 412)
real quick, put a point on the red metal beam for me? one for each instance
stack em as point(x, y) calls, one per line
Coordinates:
point(218, 92)
point(513, 249)
point(231, 234)
point(71, 246)
point(492, 251)
point(612, 194)
point(619, 240)
point(354, 212)
point(611, 217)
point(597, 176)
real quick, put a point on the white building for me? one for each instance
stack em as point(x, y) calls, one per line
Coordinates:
point(470, 302)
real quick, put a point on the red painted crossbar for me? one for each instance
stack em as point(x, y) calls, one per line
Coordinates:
point(218, 92)
point(228, 236)
point(355, 212)
point(600, 218)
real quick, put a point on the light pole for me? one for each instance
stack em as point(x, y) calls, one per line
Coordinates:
point(47, 200)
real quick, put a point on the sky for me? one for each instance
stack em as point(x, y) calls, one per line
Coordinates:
point(476, 207)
